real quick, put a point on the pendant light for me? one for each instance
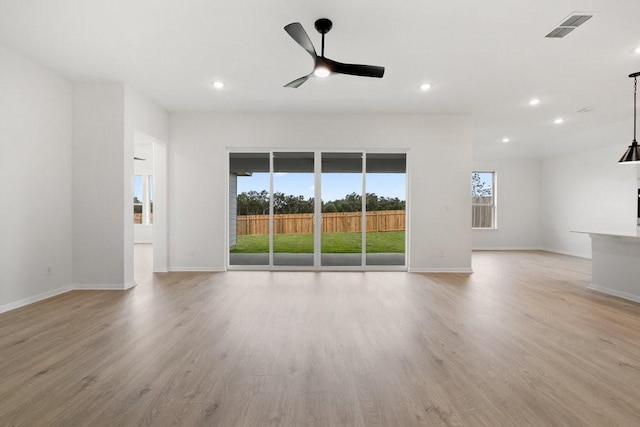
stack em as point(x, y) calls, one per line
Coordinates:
point(632, 155)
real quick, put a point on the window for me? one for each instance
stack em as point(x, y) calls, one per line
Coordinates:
point(150, 192)
point(143, 199)
point(483, 200)
point(137, 199)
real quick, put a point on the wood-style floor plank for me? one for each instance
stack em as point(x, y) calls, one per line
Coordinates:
point(522, 341)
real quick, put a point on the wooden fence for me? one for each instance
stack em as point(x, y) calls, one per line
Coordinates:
point(332, 222)
point(137, 218)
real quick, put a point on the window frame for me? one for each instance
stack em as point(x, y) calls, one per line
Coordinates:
point(492, 205)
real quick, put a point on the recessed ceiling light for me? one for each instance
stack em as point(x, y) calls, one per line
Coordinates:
point(505, 140)
point(321, 72)
point(534, 101)
point(425, 87)
point(558, 121)
point(218, 84)
point(637, 50)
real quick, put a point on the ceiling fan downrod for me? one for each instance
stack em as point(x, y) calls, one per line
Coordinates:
point(323, 26)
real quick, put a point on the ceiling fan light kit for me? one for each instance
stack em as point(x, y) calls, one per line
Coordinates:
point(632, 155)
point(321, 72)
point(323, 66)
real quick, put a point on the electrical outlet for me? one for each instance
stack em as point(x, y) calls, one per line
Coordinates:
point(441, 254)
point(49, 270)
point(192, 252)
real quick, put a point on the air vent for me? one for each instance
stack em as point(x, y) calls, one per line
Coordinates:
point(559, 32)
point(586, 110)
point(568, 25)
point(576, 20)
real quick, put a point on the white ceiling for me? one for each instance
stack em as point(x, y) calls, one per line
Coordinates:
point(485, 58)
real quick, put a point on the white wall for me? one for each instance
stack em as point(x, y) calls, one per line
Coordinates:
point(586, 191)
point(35, 182)
point(439, 167)
point(106, 119)
point(160, 209)
point(99, 199)
point(518, 205)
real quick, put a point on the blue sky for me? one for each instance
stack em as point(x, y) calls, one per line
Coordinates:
point(334, 185)
point(137, 186)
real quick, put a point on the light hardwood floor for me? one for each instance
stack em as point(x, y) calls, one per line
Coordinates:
point(519, 342)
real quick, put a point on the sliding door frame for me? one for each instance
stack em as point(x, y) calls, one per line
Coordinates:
point(317, 215)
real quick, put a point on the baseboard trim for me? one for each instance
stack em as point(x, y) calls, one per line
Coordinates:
point(441, 270)
point(197, 269)
point(105, 287)
point(615, 293)
point(35, 298)
point(160, 270)
point(509, 248)
point(562, 252)
point(555, 251)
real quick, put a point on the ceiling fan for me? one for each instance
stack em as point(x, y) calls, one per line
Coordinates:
point(324, 66)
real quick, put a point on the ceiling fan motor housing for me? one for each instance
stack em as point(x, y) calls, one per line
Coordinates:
point(323, 25)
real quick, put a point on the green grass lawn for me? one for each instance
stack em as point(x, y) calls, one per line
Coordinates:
point(332, 243)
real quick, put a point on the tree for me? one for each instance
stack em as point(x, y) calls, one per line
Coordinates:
point(137, 205)
point(479, 188)
point(381, 203)
point(253, 203)
point(288, 204)
point(353, 203)
point(257, 203)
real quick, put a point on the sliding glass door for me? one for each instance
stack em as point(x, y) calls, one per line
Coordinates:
point(386, 208)
point(249, 194)
point(341, 187)
point(293, 208)
point(317, 210)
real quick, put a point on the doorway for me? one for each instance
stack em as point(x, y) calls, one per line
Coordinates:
point(143, 217)
point(149, 207)
point(315, 210)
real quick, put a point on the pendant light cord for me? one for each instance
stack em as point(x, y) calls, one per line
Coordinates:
point(635, 91)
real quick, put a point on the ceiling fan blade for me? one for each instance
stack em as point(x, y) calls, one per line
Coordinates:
point(298, 33)
point(357, 70)
point(298, 82)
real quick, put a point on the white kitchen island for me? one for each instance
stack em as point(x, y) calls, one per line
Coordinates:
point(615, 264)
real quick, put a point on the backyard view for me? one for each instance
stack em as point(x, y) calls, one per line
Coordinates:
point(340, 226)
point(347, 237)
